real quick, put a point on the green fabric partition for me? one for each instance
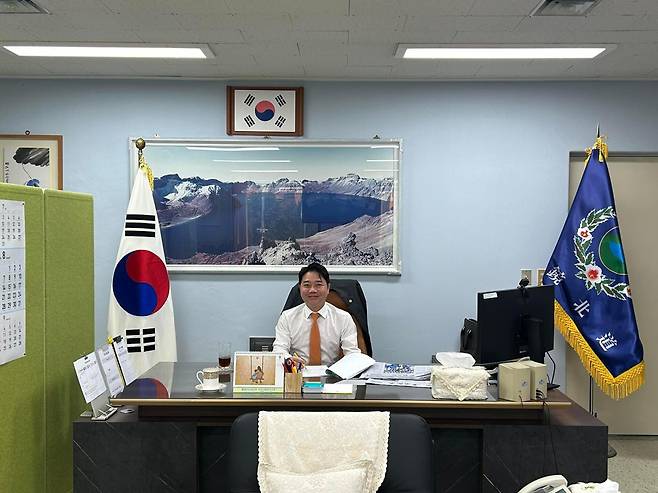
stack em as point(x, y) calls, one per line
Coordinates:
point(69, 253)
point(39, 393)
point(22, 381)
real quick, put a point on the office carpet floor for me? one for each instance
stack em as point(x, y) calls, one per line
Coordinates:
point(635, 467)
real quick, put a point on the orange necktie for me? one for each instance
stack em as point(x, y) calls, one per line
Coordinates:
point(314, 354)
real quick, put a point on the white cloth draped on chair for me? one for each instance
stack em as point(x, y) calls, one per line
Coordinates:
point(322, 451)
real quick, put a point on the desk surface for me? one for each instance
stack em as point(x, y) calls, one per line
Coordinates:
point(172, 385)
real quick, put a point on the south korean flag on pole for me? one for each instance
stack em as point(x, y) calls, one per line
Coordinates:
point(141, 309)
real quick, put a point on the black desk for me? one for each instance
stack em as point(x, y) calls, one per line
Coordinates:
point(179, 437)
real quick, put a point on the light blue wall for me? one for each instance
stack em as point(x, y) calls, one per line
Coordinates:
point(484, 187)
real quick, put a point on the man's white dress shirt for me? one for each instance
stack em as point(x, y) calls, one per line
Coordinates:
point(337, 331)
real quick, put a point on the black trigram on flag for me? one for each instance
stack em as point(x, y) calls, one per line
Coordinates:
point(249, 99)
point(249, 121)
point(280, 121)
point(140, 340)
point(140, 225)
point(280, 100)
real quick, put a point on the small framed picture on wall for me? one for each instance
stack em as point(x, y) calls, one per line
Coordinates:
point(265, 111)
point(32, 160)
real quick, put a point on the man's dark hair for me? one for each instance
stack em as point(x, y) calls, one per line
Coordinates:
point(314, 267)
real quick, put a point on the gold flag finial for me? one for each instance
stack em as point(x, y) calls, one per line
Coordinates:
point(141, 162)
point(599, 144)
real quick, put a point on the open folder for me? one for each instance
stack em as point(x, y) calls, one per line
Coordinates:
point(351, 365)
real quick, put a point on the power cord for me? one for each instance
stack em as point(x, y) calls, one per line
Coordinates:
point(548, 353)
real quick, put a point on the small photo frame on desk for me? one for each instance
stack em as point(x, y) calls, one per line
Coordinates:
point(257, 372)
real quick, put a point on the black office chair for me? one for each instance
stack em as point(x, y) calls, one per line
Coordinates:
point(409, 468)
point(347, 295)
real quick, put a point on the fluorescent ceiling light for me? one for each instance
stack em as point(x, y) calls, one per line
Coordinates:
point(233, 149)
point(251, 161)
point(108, 51)
point(265, 171)
point(498, 53)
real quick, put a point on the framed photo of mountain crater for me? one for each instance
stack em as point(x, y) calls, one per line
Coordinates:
point(274, 205)
point(32, 160)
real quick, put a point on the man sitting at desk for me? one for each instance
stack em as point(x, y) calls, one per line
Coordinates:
point(315, 331)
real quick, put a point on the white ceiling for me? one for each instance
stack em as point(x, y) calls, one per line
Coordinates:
point(333, 39)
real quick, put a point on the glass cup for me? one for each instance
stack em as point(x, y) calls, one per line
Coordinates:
point(224, 355)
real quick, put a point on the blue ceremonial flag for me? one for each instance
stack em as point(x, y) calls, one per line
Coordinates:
point(593, 306)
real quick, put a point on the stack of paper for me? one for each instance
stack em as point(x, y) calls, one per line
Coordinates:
point(397, 371)
point(351, 365)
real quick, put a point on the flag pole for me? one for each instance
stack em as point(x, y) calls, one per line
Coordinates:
point(611, 450)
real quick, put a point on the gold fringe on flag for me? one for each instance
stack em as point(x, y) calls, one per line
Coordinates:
point(615, 387)
point(141, 162)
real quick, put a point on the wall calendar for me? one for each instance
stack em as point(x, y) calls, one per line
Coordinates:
point(12, 280)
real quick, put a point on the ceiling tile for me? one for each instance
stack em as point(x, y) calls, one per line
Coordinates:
point(372, 55)
point(71, 6)
point(624, 7)
point(88, 36)
point(333, 7)
point(503, 7)
point(202, 7)
point(593, 23)
point(235, 54)
point(236, 21)
point(462, 23)
point(417, 7)
point(374, 37)
point(383, 20)
point(188, 36)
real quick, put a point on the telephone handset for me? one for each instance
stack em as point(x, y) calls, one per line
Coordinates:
point(549, 484)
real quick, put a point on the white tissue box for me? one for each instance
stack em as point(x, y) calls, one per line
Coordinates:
point(513, 382)
point(538, 377)
point(459, 383)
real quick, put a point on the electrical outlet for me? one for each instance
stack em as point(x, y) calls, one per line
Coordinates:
point(540, 277)
point(527, 273)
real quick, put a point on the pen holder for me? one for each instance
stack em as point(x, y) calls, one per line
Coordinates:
point(292, 383)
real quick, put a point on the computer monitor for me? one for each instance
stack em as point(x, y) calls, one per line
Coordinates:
point(514, 323)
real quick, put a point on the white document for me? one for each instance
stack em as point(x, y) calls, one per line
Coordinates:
point(398, 371)
point(351, 365)
point(314, 371)
point(110, 369)
point(124, 361)
point(89, 376)
point(354, 381)
point(401, 383)
point(337, 388)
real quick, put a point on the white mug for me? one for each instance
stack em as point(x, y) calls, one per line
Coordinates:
point(210, 378)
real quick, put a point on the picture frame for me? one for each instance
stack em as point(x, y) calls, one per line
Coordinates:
point(271, 206)
point(257, 372)
point(265, 111)
point(32, 160)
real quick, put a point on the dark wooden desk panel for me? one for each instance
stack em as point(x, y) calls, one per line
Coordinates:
point(181, 438)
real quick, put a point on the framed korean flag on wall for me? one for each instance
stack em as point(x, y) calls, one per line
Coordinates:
point(264, 111)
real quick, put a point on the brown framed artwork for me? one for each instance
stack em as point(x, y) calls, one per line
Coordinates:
point(265, 111)
point(32, 160)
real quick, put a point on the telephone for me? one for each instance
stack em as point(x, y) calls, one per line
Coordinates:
point(549, 484)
